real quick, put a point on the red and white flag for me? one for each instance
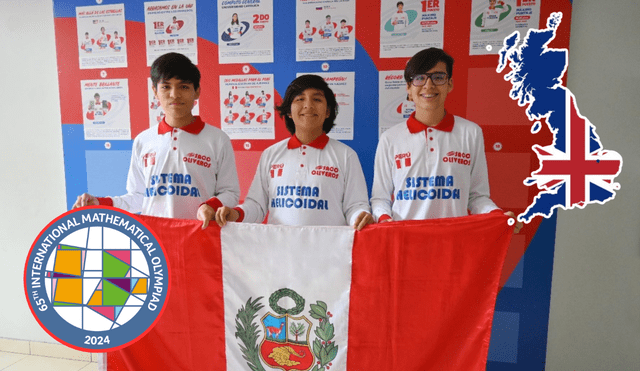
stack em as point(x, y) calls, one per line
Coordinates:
point(415, 295)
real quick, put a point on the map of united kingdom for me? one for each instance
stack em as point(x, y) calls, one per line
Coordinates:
point(575, 170)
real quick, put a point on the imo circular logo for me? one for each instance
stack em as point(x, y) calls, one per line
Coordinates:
point(96, 279)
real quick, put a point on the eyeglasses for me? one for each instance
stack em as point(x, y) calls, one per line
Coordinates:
point(438, 78)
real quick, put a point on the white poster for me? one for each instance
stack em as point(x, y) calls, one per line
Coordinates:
point(156, 112)
point(325, 30)
point(102, 40)
point(393, 106)
point(343, 86)
point(105, 108)
point(171, 27)
point(410, 26)
point(246, 106)
point(245, 31)
point(493, 20)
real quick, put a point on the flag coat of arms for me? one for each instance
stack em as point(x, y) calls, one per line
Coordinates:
point(414, 295)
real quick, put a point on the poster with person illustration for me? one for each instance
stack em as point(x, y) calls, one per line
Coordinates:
point(325, 30)
point(170, 26)
point(493, 20)
point(105, 109)
point(247, 106)
point(394, 105)
point(101, 36)
point(245, 32)
point(408, 26)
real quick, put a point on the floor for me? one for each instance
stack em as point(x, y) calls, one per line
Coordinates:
point(26, 362)
point(22, 355)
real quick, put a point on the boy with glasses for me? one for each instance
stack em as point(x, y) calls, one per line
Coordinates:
point(433, 165)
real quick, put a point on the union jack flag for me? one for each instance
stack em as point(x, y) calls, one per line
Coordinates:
point(574, 171)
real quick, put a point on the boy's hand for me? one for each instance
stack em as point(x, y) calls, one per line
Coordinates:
point(205, 213)
point(226, 214)
point(363, 220)
point(519, 225)
point(85, 199)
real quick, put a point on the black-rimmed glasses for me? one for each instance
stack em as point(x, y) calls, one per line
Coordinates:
point(438, 78)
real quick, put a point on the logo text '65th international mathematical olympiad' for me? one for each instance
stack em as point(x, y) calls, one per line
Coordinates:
point(96, 279)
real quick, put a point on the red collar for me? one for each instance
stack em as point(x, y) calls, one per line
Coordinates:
point(194, 127)
point(319, 143)
point(416, 126)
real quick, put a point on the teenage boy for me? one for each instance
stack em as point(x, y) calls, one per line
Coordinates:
point(86, 43)
point(309, 178)
point(327, 28)
point(103, 38)
point(343, 32)
point(491, 16)
point(307, 32)
point(116, 44)
point(433, 165)
point(399, 20)
point(181, 168)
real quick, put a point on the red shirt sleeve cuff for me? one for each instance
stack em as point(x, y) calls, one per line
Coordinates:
point(383, 217)
point(241, 213)
point(214, 203)
point(105, 201)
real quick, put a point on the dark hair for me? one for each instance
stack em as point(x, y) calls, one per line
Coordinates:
point(177, 65)
point(425, 60)
point(399, 3)
point(237, 21)
point(297, 87)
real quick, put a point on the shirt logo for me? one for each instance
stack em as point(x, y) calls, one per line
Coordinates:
point(326, 171)
point(276, 170)
point(96, 279)
point(200, 160)
point(458, 157)
point(403, 160)
point(149, 159)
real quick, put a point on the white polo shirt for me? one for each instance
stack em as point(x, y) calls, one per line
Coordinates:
point(320, 183)
point(426, 172)
point(401, 20)
point(173, 171)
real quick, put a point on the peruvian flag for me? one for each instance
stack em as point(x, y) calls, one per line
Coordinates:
point(413, 295)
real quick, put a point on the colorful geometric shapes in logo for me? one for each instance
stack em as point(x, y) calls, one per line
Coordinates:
point(106, 276)
point(96, 298)
point(113, 292)
point(140, 287)
point(113, 266)
point(68, 262)
point(68, 291)
point(89, 272)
